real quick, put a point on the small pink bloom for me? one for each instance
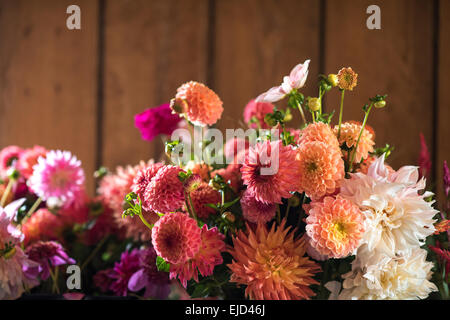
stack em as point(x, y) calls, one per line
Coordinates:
point(155, 121)
point(257, 110)
point(295, 80)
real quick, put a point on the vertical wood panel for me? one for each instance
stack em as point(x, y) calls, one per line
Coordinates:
point(256, 44)
point(151, 47)
point(48, 77)
point(443, 112)
point(397, 60)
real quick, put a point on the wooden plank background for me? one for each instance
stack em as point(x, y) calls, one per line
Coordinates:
point(79, 90)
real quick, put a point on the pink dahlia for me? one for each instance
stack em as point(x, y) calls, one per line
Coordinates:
point(201, 194)
point(176, 237)
point(7, 157)
point(256, 211)
point(335, 227)
point(198, 103)
point(321, 169)
point(29, 158)
point(59, 175)
point(143, 178)
point(201, 169)
point(165, 192)
point(256, 111)
point(234, 150)
point(271, 171)
point(232, 175)
point(43, 225)
point(156, 121)
point(207, 257)
point(48, 255)
point(13, 280)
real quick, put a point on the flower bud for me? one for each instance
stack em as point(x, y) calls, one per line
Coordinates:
point(380, 104)
point(294, 201)
point(314, 104)
point(333, 79)
point(287, 117)
point(271, 122)
point(229, 216)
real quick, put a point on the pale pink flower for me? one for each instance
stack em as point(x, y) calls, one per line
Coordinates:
point(295, 80)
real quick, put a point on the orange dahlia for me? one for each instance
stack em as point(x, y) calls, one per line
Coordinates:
point(321, 169)
point(202, 193)
point(272, 264)
point(319, 131)
point(202, 169)
point(335, 227)
point(347, 79)
point(349, 135)
point(197, 103)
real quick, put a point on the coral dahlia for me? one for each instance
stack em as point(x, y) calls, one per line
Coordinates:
point(256, 111)
point(7, 156)
point(176, 237)
point(349, 136)
point(319, 131)
point(199, 104)
point(272, 264)
point(335, 227)
point(321, 169)
point(201, 194)
point(29, 158)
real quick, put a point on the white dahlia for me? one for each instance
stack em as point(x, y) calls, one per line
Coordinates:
point(397, 217)
point(404, 277)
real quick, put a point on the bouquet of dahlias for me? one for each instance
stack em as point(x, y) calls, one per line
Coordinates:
point(273, 213)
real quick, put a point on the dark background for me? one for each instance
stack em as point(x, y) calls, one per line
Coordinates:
point(79, 89)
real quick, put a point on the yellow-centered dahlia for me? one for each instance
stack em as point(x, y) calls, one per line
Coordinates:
point(272, 264)
point(335, 227)
point(347, 79)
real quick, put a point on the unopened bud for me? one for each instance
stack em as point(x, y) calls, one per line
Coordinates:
point(314, 104)
point(333, 79)
point(380, 104)
point(229, 216)
point(271, 122)
point(294, 201)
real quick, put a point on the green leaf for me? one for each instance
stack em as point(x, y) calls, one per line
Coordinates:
point(162, 265)
point(226, 205)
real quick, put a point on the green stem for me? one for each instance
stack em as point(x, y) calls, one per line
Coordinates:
point(191, 206)
point(340, 113)
point(299, 106)
point(93, 253)
point(141, 216)
point(6, 192)
point(54, 276)
point(359, 137)
point(278, 215)
point(34, 207)
point(287, 210)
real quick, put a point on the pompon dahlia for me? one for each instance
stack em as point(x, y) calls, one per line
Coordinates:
point(402, 277)
point(198, 103)
point(29, 158)
point(349, 136)
point(256, 211)
point(143, 178)
point(48, 254)
point(43, 225)
point(176, 237)
point(208, 256)
point(319, 131)
point(7, 156)
point(165, 192)
point(321, 169)
point(272, 264)
point(255, 112)
point(201, 194)
point(396, 216)
point(271, 171)
point(59, 175)
point(335, 227)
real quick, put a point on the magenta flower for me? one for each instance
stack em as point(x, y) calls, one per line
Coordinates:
point(123, 270)
point(446, 179)
point(48, 255)
point(155, 283)
point(295, 80)
point(58, 176)
point(7, 157)
point(155, 121)
point(424, 158)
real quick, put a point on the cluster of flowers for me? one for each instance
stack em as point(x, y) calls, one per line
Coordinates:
point(333, 221)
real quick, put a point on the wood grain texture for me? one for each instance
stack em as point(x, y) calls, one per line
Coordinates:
point(48, 77)
point(151, 48)
point(443, 99)
point(396, 60)
point(256, 44)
